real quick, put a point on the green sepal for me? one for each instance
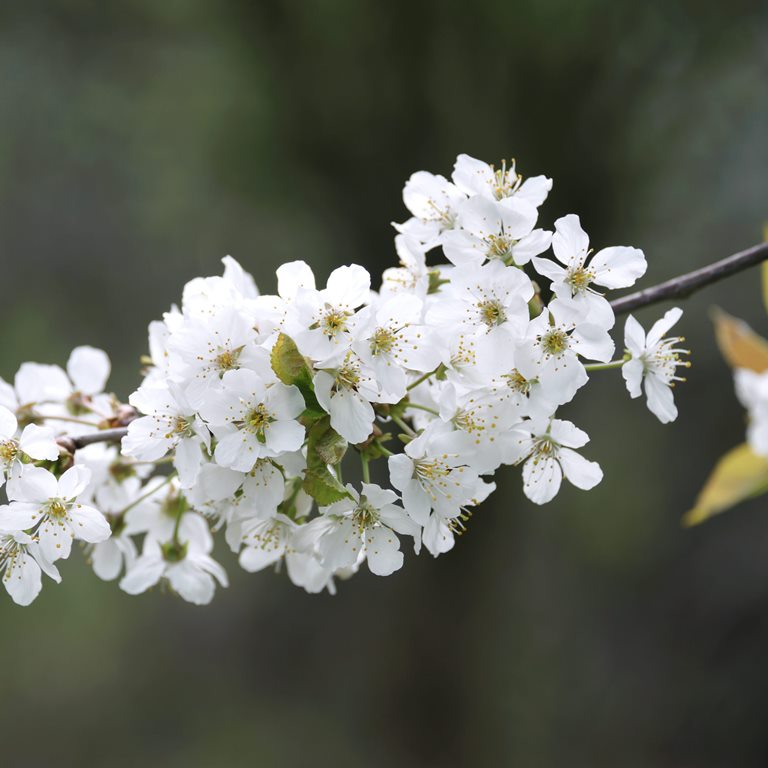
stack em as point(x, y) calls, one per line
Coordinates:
point(435, 281)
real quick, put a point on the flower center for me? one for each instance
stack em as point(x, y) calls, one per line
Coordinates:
point(348, 376)
point(505, 181)
point(365, 515)
point(554, 342)
point(544, 447)
point(579, 279)
point(258, 420)
point(333, 321)
point(228, 359)
point(445, 216)
point(382, 341)
point(180, 427)
point(491, 312)
point(666, 359)
point(468, 421)
point(57, 509)
point(517, 382)
point(8, 451)
point(499, 246)
point(265, 537)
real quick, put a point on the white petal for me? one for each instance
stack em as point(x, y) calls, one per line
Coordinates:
point(660, 327)
point(580, 472)
point(438, 537)
point(351, 416)
point(89, 524)
point(35, 484)
point(531, 245)
point(534, 190)
point(341, 546)
point(18, 516)
point(618, 267)
point(349, 285)
point(23, 582)
point(570, 242)
point(291, 277)
point(541, 479)
point(36, 383)
point(145, 573)
point(89, 370)
point(8, 424)
point(236, 451)
point(284, 402)
point(661, 401)
point(567, 434)
point(284, 436)
point(187, 461)
point(632, 371)
point(74, 481)
point(634, 337)
point(39, 443)
point(192, 583)
point(107, 560)
point(383, 551)
point(55, 540)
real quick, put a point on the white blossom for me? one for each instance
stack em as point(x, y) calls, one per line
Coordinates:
point(547, 448)
point(653, 363)
point(37, 500)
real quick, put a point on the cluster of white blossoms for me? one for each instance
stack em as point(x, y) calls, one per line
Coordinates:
point(253, 404)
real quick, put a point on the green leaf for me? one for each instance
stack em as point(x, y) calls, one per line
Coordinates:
point(739, 475)
point(740, 345)
point(290, 367)
point(323, 487)
point(324, 446)
point(324, 441)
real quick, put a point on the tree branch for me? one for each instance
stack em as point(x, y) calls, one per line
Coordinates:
point(74, 443)
point(684, 285)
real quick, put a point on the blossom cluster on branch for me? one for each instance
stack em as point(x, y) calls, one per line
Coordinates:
point(251, 404)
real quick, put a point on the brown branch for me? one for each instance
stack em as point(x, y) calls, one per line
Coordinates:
point(74, 443)
point(684, 285)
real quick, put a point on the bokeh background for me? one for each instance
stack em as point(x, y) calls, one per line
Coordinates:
point(142, 141)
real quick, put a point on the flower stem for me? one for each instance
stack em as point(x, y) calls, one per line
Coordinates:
point(605, 366)
point(145, 496)
point(404, 426)
point(420, 380)
point(366, 469)
point(422, 408)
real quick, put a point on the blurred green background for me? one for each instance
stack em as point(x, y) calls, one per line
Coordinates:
point(142, 141)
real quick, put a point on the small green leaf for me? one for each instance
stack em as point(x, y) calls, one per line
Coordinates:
point(324, 446)
point(324, 441)
point(290, 367)
point(323, 487)
point(739, 475)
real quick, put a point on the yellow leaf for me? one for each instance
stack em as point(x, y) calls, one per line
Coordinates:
point(739, 475)
point(740, 345)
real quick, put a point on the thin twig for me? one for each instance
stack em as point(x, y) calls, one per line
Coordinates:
point(684, 285)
